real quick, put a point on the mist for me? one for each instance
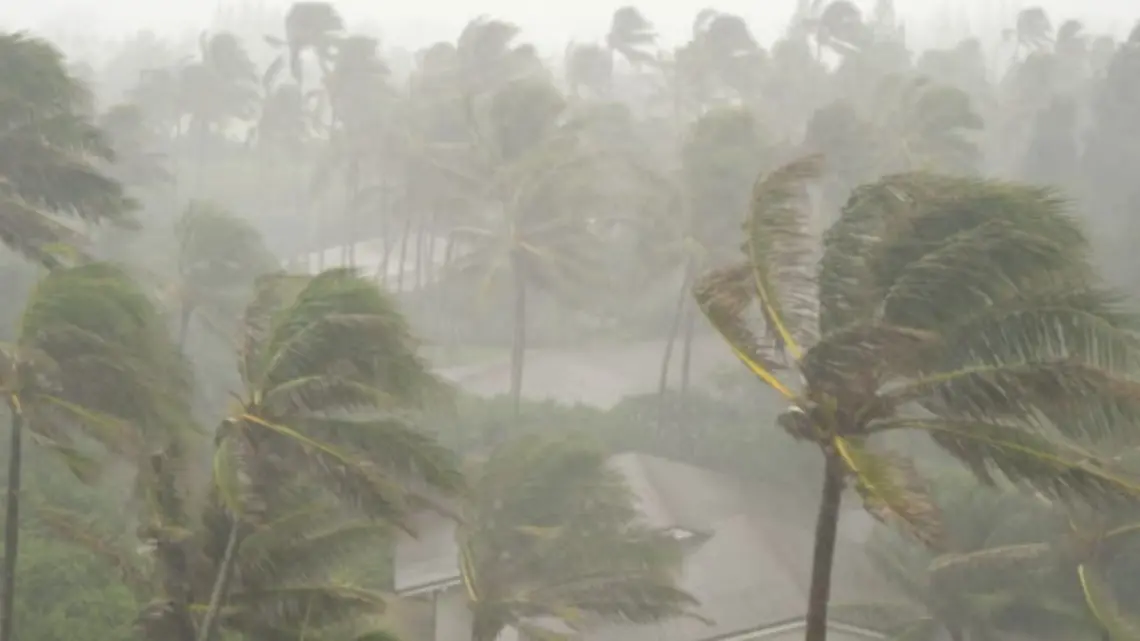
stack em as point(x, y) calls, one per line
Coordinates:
point(516, 322)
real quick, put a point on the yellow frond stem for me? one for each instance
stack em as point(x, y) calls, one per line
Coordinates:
point(762, 373)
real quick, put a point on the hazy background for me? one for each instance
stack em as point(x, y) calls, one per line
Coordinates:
point(550, 25)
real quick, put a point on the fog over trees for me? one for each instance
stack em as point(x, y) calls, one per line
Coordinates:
point(308, 338)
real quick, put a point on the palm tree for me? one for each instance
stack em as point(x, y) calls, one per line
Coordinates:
point(52, 150)
point(721, 155)
point(630, 34)
point(959, 308)
point(988, 581)
point(309, 27)
point(551, 533)
point(216, 89)
point(1033, 31)
point(219, 257)
point(329, 372)
point(92, 363)
point(536, 181)
point(299, 573)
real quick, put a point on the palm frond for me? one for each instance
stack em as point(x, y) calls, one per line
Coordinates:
point(397, 447)
point(272, 294)
point(781, 251)
point(1048, 464)
point(892, 490)
point(341, 322)
point(725, 296)
point(306, 546)
point(346, 473)
point(1005, 557)
point(918, 250)
point(114, 368)
point(289, 606)
point(1104, 608)
point(1077, 399)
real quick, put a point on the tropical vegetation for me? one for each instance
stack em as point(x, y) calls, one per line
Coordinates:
point(281, 293)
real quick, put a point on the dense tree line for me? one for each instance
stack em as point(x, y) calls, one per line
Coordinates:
point(921, 255)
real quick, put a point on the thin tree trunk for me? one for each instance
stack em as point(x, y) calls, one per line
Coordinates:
point(823, 555)
point(221, 584)
point(404, 236)
point(670, 342)
point(687, 347)
point(184, 326)
point(518, 340)
point(12, 520)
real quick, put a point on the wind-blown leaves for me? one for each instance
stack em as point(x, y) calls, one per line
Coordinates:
point(781, 252)
point(51, 153)
point(578, 551)
point(1107, 612)
point(891, 489)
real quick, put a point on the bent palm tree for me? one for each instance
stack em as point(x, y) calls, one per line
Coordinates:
point(92, 363)
point(52, 150)
point(218, 253)
point(330, 370)
point(963, 309)
point(300, 572)
point(553, 534)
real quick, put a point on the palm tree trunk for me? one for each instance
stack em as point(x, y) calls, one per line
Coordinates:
point(823, 556)
point(518, 340)
point(404, 236)
point(670, 342)
point(221, 584)
point(12, 520)
point(184, 326)
point(687, 348)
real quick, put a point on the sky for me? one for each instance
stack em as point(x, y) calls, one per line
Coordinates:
point(413, 24)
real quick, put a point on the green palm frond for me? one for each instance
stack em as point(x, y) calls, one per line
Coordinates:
point(999, 558)
point(1048, 464)
point(892, 490)
point(218, 253)
point(1108, 614)
point(341, 324)
point(307, 545)
point(290, 606)
point(725, 296)
point(51, 152)
point(781, 251)
point(397, 445)
point(113, 371)
point(928, 224)
point(552, 532)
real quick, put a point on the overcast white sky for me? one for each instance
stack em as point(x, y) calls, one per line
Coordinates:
point(413, 23)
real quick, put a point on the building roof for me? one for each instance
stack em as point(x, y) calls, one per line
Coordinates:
point(750, 568)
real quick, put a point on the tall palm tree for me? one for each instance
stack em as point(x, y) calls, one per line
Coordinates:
point(535, 181)
point(722, 153)
point(92, 363)
point(630, 34)
point(552, 533)
point(49, 171)
point(329, 371)
point(962, 309)
point(309, 27)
